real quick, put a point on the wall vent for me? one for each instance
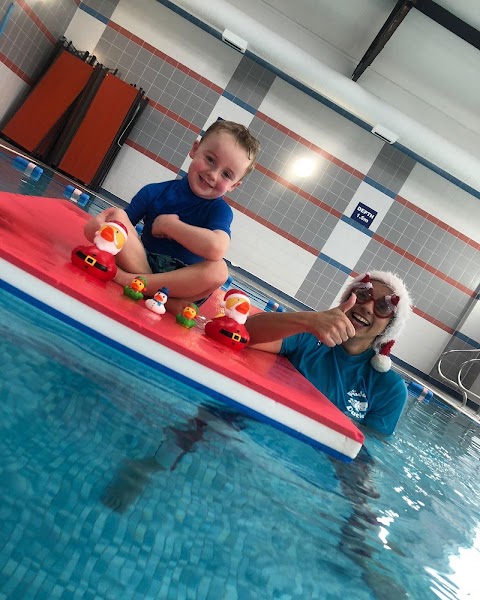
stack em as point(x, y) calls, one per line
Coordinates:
point(234, 41)
point(385, 134)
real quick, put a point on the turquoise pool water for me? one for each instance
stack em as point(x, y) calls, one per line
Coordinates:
point(119, 481)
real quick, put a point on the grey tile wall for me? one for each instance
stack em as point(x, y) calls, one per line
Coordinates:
point(163, 136)
point(23, 43)
point(250, 82)
point(284, 208)
point(391, 168)
point(432, 244)
point(164, 84)
point(54, 14)
point(321, 286)
point(430, 293)
point(328, 183)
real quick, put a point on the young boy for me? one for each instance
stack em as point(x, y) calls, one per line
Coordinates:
point(186, 222)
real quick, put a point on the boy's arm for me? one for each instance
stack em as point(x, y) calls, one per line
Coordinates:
point(211, 245)
point(95, 223)
point(135, 212)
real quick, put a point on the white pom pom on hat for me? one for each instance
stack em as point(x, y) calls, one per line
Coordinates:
point(383, 343)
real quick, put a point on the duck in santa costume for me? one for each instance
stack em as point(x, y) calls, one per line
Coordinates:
point(98, 259)
point(229, 329)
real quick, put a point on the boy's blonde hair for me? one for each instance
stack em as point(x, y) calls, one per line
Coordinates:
point(242, 136)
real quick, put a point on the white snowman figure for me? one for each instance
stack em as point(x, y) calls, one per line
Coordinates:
point(157, 303)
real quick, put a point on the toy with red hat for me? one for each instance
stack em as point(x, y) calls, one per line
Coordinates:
point(229, 329)
point(98, 259)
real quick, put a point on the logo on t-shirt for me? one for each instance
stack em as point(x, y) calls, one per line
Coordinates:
point(357, 404)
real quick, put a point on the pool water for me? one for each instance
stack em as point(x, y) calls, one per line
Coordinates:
point(119, 481)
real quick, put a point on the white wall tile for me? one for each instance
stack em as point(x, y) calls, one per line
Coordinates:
point(178, 38)
point(421, 344)
point(84, 31)
point(471, 325)
point(131, 171)
point(346, 244)
point(12, 89)
point(443, 200)
point(227, 110)
point(268, 256)
point(373, 198)
point(321, 125)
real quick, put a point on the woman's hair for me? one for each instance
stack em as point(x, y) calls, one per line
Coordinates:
point(242, 136)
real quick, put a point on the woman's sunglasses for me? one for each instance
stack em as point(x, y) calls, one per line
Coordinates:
point(383, 307)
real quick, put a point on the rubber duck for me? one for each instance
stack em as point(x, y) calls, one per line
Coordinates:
point(98, 259)
point(135, 289)
point(157, 303)
point(229, 329)
point(187, 317)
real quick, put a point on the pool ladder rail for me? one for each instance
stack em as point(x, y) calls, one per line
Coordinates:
point(458, 384)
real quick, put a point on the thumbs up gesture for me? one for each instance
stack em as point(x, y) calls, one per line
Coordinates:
point(332, 327)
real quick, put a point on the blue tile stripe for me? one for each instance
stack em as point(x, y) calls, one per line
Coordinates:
point(323, 100)
point(93, 13)
point(357, 225)
point(239, 102)
point(438, 170)
point(189, 17)
point(380, 187)
point(167, 371)
point(334, 263)
point(468, 340)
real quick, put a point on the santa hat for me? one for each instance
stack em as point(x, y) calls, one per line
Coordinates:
point(403, 308)
point(234, 294)
point(118, 225)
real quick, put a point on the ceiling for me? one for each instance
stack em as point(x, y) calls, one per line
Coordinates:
point(351, 25)
point(424, 70)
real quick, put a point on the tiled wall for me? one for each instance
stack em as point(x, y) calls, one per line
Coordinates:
point(30, 33)
point(363, 207)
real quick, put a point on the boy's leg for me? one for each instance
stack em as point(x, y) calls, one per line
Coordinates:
point(131, 258)
point(186, 284)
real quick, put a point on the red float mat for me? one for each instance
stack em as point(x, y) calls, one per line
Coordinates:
point(37, 236)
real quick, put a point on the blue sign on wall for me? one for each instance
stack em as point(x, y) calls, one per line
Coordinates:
point(364, 215)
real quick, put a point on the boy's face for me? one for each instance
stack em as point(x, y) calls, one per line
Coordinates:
point(218, 165)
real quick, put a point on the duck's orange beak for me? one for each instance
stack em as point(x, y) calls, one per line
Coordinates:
point(108, 234)
point(243, 308)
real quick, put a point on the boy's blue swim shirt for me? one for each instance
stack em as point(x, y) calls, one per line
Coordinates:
point(350, 382)
point(176, 197)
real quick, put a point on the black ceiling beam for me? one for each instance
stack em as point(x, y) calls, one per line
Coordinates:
point(399, 12)
point(446, 19)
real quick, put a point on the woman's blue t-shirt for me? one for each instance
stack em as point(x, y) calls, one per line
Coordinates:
point(350, 382)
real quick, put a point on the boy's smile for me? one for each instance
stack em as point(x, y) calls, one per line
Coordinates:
point(218, 165)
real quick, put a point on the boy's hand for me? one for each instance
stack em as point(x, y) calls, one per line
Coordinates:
point(164, 226)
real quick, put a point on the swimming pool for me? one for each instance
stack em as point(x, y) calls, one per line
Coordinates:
point(247, 512)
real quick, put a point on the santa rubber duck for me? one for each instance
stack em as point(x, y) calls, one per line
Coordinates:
point(230, 329)
point(98, 259)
